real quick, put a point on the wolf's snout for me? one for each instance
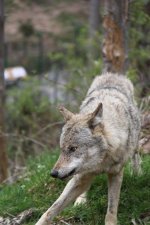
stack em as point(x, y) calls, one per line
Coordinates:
point(54, 173)
point(61, 175)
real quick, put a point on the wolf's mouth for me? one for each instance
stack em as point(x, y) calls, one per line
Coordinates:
point(69, 174)
point(72, 172)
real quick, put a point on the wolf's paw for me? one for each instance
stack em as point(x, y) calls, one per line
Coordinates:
point(43, 220)
point(110, 223)
point(110, 219)
point(80, 200)
point(40, 222)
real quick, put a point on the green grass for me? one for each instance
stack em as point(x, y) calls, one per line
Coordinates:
point(38, 190)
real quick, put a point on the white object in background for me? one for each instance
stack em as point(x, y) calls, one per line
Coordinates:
point(15, 73)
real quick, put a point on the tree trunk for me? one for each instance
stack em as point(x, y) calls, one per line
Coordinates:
point(3, 155)
point(94, 24)
point(114, 47)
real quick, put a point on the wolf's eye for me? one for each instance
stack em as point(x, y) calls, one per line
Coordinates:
point(72, 149)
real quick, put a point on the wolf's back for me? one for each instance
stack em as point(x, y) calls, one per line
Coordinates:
point(116, 93)
point(116, 81)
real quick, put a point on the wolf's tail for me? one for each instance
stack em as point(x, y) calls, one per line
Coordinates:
point(136, 164)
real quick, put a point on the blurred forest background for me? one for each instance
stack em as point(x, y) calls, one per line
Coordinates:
point(59, 43)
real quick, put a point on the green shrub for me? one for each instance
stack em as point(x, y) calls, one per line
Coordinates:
point(29, 112)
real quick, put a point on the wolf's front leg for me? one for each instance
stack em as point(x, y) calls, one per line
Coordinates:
point(76, 186)
point(114, 186)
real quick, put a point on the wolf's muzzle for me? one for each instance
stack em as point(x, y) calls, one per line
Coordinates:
point(54, 173)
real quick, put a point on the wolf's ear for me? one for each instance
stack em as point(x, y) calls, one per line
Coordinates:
point(98, 111)
point(66, 113)
point(95, 117)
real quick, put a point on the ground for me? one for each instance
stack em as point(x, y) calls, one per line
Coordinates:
point(37, 191)
point(43, 17)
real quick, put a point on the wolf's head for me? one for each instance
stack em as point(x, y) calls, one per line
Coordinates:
point(82, 143)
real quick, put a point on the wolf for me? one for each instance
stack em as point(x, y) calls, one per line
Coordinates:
point(99, 139)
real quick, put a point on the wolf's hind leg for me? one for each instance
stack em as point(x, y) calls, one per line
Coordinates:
point(75, 187)
point(136, 163)
point(114, 186)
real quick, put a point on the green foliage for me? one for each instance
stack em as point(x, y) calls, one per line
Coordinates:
point(73, 55)
point(71, 48)
point(28, 112)
point(9, 5)
point(139, 40)
point(38, 190)
point(73, 51)
point(29, 192)
point(27, 103)
point(27, 29)
point(74, 44)
point(38, 2)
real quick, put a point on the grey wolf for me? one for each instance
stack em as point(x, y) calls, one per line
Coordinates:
point(99, 139)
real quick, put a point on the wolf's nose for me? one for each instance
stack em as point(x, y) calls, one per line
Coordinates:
point(54, 173)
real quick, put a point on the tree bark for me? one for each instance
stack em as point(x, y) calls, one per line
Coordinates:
point(114, 47)
point(3, 155)
point(94, 24)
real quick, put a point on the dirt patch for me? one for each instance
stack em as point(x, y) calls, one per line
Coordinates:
point(43, 18)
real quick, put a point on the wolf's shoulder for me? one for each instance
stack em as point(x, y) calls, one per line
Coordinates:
point(112, 80)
